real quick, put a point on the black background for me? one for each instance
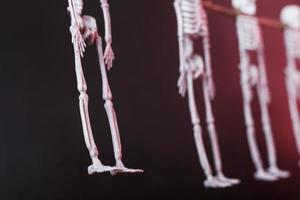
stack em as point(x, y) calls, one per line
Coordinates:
point(42, 151)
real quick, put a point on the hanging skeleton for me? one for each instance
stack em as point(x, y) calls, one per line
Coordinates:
point(290, 16)
point(192, 24)
point(250, 40)
point(84, 29)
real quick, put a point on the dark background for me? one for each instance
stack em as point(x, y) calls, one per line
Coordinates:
point(42, 150)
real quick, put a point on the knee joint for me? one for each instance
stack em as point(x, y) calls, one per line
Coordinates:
point(211, 126)
point(250, 123)
point(83, 96)
point(82, 88)
point(197, 128)
point(108, 104)
point(210, 120)
point(107, 96)
point(195, 121)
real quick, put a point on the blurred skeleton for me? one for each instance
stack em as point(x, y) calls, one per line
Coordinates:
point(250, 40)
point(84, 29)
point(290, 16)
point(192, 25)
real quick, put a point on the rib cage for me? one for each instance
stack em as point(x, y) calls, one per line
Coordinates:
point(248, 33)
point(193, 16)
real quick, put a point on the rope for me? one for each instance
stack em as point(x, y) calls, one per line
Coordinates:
point(263, 21)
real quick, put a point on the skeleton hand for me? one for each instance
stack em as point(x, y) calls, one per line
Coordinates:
point(246, 86)
point(182, 83)
point(197, 66)
point(109, 56)
point(253, 75)
point(77, 39)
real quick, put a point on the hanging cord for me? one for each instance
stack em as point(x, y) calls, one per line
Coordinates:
point(263, 21)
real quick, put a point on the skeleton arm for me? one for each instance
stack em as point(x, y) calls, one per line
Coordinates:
point(289, 58)
point(75, 8)
point(108, 54)
point(188, 23)
point(182, 82)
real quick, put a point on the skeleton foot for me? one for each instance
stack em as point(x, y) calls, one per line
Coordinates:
point(121, 169)
point(224, 179)
point(275, 171)
point(262, 175)
point(212, 182)
point(98, 167)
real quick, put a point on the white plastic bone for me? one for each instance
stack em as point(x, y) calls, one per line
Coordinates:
point(250, 39)
point(192, 24)
point(290, 16)
point(84, 29)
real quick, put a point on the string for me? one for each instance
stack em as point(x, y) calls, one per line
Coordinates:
point(263, 21)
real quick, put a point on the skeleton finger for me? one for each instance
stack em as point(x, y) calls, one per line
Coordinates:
point(110, 64)
point(197, 73)
point(182, 85)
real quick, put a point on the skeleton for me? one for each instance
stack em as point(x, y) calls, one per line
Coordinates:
point(84, 29)
point(290, 16)
point(250, 40)
point(192, 24)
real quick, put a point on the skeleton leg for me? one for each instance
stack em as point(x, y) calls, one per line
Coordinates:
point(87, 130)
point(294, 112)
point(260, 173)
point(107, 96)
point(273, 169)
point(214, 139)
point(210, 181)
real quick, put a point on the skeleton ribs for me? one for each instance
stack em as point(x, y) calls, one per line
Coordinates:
point(84, 30)
point(251, 75)
point(192, 25)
